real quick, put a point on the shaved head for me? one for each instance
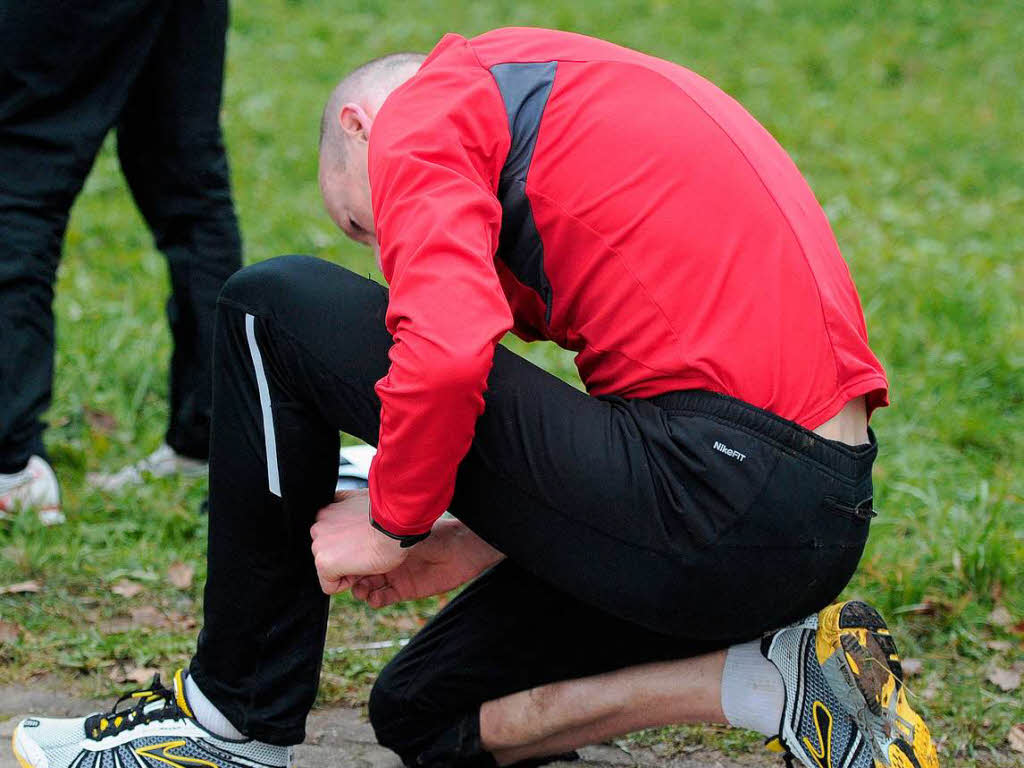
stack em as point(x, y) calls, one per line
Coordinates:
point(367, 86)
point(345, 140)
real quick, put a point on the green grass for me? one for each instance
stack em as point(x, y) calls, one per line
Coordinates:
point(907, 119)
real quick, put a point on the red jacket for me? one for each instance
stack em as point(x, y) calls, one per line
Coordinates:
point(617, 204)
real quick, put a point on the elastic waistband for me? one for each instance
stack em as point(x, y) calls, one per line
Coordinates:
point(852, 461)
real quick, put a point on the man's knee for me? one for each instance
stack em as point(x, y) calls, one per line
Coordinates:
point(274, 280)
point(388, 710)
point(307, 297)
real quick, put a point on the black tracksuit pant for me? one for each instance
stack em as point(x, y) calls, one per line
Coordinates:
point(630, 537)
point(69, 72)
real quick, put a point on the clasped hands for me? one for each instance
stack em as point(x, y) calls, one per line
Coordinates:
point(350, 554)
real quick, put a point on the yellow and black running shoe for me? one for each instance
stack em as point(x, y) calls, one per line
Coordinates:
point(815, 729)
point(858, 657)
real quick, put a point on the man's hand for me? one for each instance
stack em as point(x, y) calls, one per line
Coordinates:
point(450, 557)
point(346, 546)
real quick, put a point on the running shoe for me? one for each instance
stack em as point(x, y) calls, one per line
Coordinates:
point(156, 730)
point(33, 487)
point(834, 717)
point(861, 664)
point(354, 466)
point(163, 462)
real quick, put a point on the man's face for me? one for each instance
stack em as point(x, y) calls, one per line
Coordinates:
point(345, 188)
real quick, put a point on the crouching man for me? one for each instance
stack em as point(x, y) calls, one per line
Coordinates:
point(663, 548)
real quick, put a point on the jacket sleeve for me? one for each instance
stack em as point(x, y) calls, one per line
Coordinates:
point(436, 151)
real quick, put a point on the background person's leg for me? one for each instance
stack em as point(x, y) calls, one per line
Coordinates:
point(172, 154)
point(65, 72)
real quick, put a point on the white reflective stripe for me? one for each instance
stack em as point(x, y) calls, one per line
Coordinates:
point(273, 478)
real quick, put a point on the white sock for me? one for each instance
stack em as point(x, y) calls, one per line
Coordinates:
point(206, 714)
point(752, 692)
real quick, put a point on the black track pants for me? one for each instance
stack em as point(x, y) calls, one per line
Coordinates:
point(635, 530)
point(69, 72)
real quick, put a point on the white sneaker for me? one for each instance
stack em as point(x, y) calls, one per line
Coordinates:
point(35, 486)
point(354, 466)
point(162, 462)
point(155, 730)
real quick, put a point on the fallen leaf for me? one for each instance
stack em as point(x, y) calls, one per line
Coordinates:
point(403, 623)
point(181, 621)
point(148, 616)
point(999, 645)
point(912, 667)
point(926, 608)
point(126, 588)
point(9, 631)
point(180, 575)
point(1000, 616)
point(140, 675)
point(21, 587)
point(1004, 679)
point(119, 674)
point(114, 624)
point(1016, 737)
point(1018, 628)
point(103, 422)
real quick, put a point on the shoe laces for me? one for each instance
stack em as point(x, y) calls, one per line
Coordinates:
point(157, 702)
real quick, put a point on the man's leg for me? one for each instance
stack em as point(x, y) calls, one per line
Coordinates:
point(559, 717)
point(511, 633)
point(297, 347)
point(577, 491)
point(788, 556)
point(53, 118)
point(172, 154)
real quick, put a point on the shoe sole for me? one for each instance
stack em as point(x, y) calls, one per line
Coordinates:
point(14, 748)
point(859, 658)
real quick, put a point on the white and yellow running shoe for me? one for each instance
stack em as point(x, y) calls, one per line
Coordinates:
point(845, 702)
point(858, 656)
point(156, 731)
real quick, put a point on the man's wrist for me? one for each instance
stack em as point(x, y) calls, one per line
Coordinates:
point(404, 540)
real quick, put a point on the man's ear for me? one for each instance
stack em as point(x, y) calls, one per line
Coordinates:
point(354, 122)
